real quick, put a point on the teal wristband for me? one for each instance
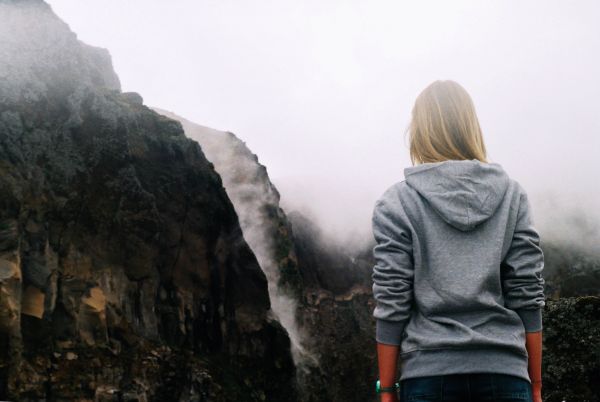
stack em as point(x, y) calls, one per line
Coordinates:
point(379, 389)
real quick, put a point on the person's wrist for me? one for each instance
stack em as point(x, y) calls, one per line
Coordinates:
point(387, 392)
point(388, 397)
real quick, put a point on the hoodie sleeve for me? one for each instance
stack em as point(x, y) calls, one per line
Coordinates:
point(522, 281)
point(392, 273)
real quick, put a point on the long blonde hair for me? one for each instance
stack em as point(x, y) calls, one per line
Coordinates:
point(444, 125)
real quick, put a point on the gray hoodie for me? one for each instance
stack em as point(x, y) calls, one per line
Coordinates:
point(457, 278)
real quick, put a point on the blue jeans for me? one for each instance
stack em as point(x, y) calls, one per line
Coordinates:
point(472, 387)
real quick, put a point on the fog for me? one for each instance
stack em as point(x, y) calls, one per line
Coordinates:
point(322, 91)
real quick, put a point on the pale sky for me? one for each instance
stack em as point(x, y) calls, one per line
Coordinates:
point(322, 91)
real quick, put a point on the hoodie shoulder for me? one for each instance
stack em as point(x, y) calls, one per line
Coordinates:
point(393, 193)
point(516, 189)
point(518, 194)
point(390, 208)
point(394, 199)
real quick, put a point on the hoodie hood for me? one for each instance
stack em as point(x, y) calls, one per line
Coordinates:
point(464, 193)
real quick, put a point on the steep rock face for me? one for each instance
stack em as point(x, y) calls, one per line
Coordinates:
point(330, 285)
point(265, 228)
point(124, 274)
point(337, 314)
point(255, 198)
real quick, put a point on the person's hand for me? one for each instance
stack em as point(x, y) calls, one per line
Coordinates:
point(536, 389)
point(392, 397)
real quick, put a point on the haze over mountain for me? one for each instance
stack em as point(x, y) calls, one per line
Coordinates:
point(322, 91)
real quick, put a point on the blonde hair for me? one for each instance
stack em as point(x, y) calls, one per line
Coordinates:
point(444, 125)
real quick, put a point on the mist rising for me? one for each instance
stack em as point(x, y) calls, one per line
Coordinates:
point(322, 92)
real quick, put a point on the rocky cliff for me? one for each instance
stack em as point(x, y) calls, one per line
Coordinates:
point(336, 312)
point(267, 231)
point(320, 290)
point(124, 273)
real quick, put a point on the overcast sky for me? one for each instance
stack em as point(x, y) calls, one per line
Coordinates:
point(322, 91)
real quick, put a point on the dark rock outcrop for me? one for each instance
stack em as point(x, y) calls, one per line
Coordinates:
point(336, 312)
point(267, 231)
point(330, 284)
point(124, 274)
point(320, 290)
point(571, 366)
point(256, 200)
